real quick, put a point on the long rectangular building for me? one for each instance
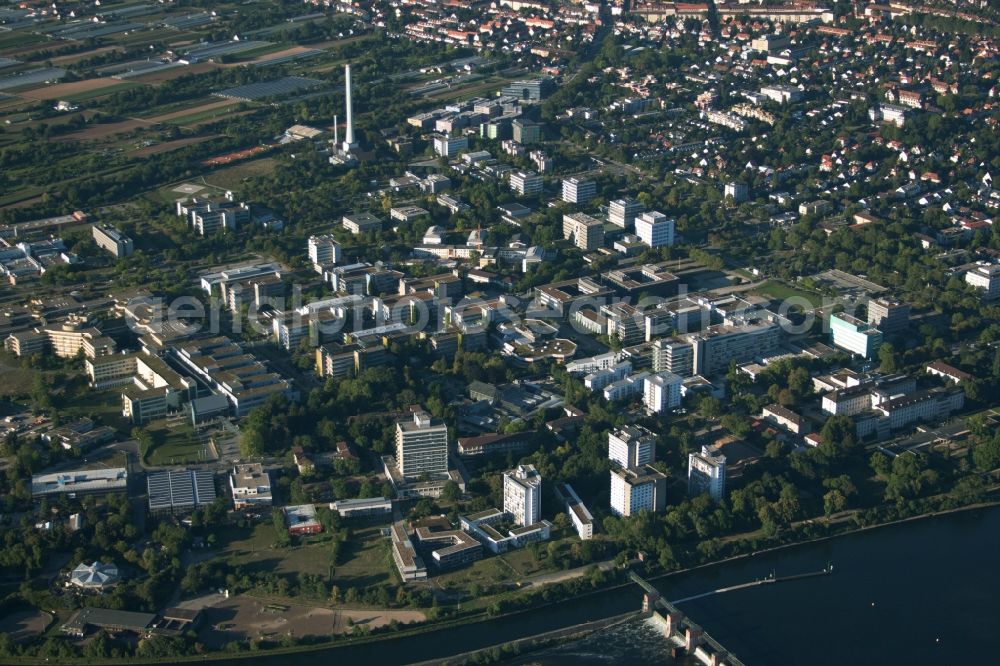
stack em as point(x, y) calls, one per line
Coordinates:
point(179, 491)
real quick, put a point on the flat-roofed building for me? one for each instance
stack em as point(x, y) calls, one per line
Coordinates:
point(179, 491)
point(361, 223)
point(623, 212)
point(362, 508)
point(449, 146)
point(522, 494)
point(586, 232)
point(250, 484)
point(108, 620)
point(888, 316)
point(707, 474)
point(577, 511)
point(407, 213)
point(409, 564)
point(635, 490)
point(422, 445)
point(985, 276)
point(662, 391)
point(578, 191)
point(718, 346)
point(80, 482)
point(631, 446)
point(655, 229)
point(112, 240)
point(324, 250)
point(301, 519)
point(856, 336)
point(526, 183)
point(493, 443)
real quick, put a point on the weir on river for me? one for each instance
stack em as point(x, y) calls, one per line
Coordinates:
point(682, 633)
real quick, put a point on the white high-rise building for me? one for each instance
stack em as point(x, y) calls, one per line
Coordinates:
point(622, 212)
point(631, 446)
point(421, 445)
point(707, 474)
point(522, 494)
point(655, 229)
point(578, 191)
point(324, 250)
point(661, 392)
point(985, 276)
point(635, 490)
point(525, 183)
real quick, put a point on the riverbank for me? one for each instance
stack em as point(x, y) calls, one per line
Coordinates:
point(518, 621)
point(533, 643)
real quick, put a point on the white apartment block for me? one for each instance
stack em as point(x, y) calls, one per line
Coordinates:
point(631, 446)
point(655, 229)
point(986, 277)
point(581, 518)
point(113, 241)
point(324, 250)
point(525, 183)
point(623, 212)
point(707, 474)
point(421, 445)
point(673, 355)
point(522, 495)
point(635, 490)
point(449, 146)
point(578, 191)
point(662, 391)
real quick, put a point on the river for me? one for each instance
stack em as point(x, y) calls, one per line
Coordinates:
point(921, 592)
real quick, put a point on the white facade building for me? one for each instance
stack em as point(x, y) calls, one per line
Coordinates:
point(623, 212)
point(661, 392)
point(421, 445)
point(522, 494)
point(655, 229)
point(707, 474)
point(986, 277)
point(631, 446)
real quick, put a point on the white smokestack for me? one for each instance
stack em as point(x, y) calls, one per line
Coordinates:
point(336, 133)
point(349, 135)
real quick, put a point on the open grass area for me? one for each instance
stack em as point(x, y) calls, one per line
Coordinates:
point(363, 560)
point(174, 443)
point(207, 114)
point(232, 177)
point(781, 291)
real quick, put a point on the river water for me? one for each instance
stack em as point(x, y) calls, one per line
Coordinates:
point(923, 592)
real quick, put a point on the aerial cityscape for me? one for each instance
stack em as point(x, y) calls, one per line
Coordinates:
point(522, 331)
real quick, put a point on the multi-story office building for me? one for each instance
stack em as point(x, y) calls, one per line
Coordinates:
point(622, 212)
point(718, 346)
point(578, 191)
point(654, 229)
point(662, 391)
point(635, 490)
point(631, 446)
point(522, 494)
point(324, 250)
point(525, 183)
point(623, 322)
point(113, 241)
point(673, 355)
point(530, 89)
point(888, 316)
point(69, 338)
point(526, 131)
point(360, 223)
point(543, 162)
point(854, 335)
point(986, 277)
point(586, 232)
point(449, 146)
point(250, 484)
point(421, 445)
point(707, 474)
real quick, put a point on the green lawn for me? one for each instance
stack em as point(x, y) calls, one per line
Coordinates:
point(174, 444)
point(208, 114)
point(362, 564)
point(782, 291)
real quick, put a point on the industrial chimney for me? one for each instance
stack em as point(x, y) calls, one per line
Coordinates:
point(349, 144)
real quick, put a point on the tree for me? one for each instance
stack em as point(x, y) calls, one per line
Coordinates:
point(451, 492)
point(888, 358)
